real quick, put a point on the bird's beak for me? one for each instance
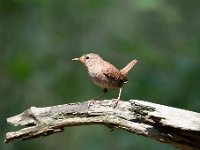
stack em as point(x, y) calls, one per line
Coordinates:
point(76, 59)
point(79, 59)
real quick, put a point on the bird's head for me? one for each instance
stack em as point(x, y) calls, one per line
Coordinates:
point(88, 59)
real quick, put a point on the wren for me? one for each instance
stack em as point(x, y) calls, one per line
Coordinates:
point(104, 74)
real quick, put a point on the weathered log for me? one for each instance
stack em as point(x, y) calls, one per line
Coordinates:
point(178, 127)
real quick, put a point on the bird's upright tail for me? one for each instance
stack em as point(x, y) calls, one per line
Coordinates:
point(128, 67)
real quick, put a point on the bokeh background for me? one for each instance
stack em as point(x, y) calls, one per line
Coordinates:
point(39, 38)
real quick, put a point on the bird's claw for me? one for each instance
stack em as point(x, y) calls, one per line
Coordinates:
point(113, 102)
point(91, 102)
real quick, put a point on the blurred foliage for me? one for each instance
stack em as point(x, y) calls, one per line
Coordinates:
point(39, 38)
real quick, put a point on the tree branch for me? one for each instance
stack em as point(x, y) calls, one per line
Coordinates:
point(177, 127)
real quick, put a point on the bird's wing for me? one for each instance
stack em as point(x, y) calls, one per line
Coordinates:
point(128, 67)
point(116, 76)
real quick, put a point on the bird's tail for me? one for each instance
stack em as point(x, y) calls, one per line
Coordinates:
point(128, 67)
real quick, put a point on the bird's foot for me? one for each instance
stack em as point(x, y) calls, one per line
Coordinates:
point(114, 102)
point(91, 102)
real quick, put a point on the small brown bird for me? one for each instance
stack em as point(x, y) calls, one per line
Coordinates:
point(104, 74)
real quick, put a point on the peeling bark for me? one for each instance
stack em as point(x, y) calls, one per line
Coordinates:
point(178, 127)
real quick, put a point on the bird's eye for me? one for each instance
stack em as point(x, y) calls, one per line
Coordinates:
point(87, 57)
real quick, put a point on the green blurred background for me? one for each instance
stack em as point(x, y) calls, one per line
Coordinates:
point(39, 38)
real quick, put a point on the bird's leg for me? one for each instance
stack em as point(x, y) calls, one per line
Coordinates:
point(105, 90)
point(120, 92)
point(115, 101)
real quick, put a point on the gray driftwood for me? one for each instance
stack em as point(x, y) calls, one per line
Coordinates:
point(178, 127)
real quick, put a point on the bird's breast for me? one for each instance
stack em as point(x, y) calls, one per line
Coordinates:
point(101, 80)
